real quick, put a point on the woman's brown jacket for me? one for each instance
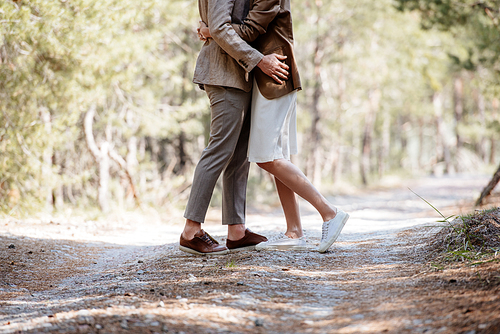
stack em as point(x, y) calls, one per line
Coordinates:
point(268, 27)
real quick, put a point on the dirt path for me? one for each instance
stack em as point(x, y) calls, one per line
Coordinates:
point(79, 277)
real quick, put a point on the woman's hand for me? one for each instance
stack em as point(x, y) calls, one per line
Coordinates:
point(203, 31)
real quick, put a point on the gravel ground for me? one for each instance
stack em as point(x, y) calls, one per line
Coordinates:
point(126, 275)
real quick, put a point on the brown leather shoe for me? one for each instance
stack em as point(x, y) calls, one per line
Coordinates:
point(202, 244)
point(248, 242)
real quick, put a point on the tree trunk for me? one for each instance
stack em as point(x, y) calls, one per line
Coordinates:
point(458, 97)
point(314, 134)
point(384, 147)
point(132, 153)
point(373, 107)
point(481, 108)
point(141, 154)
point(69, 193)
point(495, 106)
point(101, 157)
point(421, 141)
point(58, 193)
point(181, 147)
point(340, 120)
point(47, 160)
point(128, 173)
point(491, 185)
point(131, 160)
point(442, 149)
point(493, 148)
point(104, 177)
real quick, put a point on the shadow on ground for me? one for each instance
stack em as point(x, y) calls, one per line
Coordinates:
point(368, 286)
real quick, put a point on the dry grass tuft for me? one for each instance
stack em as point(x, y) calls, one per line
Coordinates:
point(468, 238)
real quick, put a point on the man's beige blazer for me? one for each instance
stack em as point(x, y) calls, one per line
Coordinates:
point(225, 59)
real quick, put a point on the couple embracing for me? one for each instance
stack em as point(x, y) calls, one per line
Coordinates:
point(248, 70)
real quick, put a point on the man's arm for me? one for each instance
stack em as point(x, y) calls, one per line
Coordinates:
point(219, 23)
point(258, 19)
point(255, 24)
point(225, 36)
point(272, 64)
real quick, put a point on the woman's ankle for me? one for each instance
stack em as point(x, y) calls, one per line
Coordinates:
point(330, 214)
point(294, 234)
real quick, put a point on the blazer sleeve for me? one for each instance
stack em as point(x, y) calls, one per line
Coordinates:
point(223, 33)
point(258, 19)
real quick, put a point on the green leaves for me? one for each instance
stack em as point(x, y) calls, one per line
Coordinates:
point(473, 22)
point(57, 58)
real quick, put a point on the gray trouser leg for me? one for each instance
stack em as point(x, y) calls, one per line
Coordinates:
point(234, 180)
point(226, 151)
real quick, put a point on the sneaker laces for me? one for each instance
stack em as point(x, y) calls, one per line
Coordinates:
point(208, 239)
point(282, 236)
point(324, 231)
point(277, 237)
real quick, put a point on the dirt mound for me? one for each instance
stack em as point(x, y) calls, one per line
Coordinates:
point(484, 229)
point(470, 236)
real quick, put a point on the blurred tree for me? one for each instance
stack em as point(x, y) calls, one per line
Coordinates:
point(57, 59)
point(381, 96)
point(475, 24)
point(368, 71)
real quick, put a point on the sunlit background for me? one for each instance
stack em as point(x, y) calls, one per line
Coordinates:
point(98, 111)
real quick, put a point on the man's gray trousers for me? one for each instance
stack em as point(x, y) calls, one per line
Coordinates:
point(226, 153)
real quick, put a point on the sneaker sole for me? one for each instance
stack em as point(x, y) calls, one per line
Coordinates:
point(285, 247)
point(247, 248)
point(192, 251)
point(334, 237)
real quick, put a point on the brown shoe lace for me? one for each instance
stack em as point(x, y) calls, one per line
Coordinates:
point(208, 239)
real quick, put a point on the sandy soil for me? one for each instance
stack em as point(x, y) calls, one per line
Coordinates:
point(68, 275)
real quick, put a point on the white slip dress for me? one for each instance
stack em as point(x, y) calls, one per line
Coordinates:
point(273, 129)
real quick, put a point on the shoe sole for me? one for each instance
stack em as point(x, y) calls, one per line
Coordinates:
point(192, 251)
point(247, 248)
point(298, 248)
point(334, 237)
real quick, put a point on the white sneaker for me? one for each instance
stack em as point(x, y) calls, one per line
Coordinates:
point(281, 241)
point(331, 230)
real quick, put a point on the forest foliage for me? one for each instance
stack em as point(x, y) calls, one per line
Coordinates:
point(98, 108)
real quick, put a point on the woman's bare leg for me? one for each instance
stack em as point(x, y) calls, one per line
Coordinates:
point(290, 206)
point(293, 178)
